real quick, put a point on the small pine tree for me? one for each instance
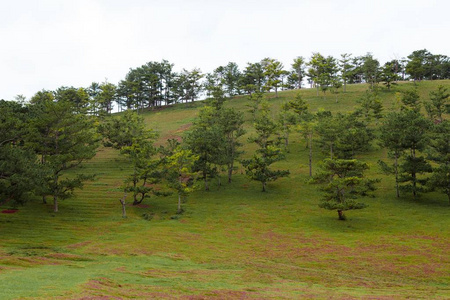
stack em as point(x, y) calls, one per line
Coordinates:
point(439, 153)
point(180, 174)
point(258, 167)
point(343, 182)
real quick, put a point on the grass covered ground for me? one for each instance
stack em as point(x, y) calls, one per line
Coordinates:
point(233, 241)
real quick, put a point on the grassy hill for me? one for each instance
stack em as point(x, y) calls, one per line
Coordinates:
point(233, 241)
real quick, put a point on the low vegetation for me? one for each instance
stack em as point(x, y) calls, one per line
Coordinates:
point(172, 207)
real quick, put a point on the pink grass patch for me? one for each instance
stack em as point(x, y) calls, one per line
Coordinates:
point(9, 211)
point(79, 245)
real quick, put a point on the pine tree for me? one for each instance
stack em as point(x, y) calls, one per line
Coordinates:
point(63, 137)
point(180, 174)
point(206, 140)
point(343, 182)
point(391, 138)
point(119, 132)
point(439, 103)
point(145, 170)
point(414, 140)
point(258, 167)
point(20, 173)
point(231, 124)
point(439, 153)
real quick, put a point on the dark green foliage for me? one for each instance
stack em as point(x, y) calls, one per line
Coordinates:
point(146, 170)
point(78, 97)
point(370, 107)
point(20, 174)
point(253, 78)
point(355, 72)
point(147, 86)
point(439, 153)
point(322, 71)
point(299, 106)
point(63, 137)
point(439, 103)
point(123, 131)
point(343, 135)
point(179, 172)
point(411, 100)
point(370, 69)
point(328, 131)
point(410, 169)
point(255, 101)
point(273, 71)
point(388, 74)
point(391, 138)
point(414, 139)
point(258, 167)
point(343, 182)
point(417, 65)
point(298, 72)
point(187, 86)
point(354, 136)
point(13, 119)
point(105, 98)
point(345, 68)
point(287, 119)
point(231, 125)
point(227, 78)
point(128, 133)
point(206, 140)
point(214, 137)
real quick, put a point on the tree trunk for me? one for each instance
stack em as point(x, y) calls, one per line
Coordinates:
point(264, 186)
point(396, 176)
point(230, 172)
point(341, 215)
point(310, 155)
point(286, 140)
point(122, 201)
point(414, 176)
point(179, 204)
point(136, 201)
point(205, 177)
point(55, 204)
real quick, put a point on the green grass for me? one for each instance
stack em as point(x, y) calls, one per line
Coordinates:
point(233, 241)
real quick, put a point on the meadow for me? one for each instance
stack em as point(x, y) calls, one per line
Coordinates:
point(232, 241)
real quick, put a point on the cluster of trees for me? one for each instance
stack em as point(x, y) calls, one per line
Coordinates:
point(42, 141)
point(415, 142)
point(39, 144)
point(418, 144)
point(156, 83)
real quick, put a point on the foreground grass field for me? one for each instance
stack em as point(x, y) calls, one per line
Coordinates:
point(233, 241)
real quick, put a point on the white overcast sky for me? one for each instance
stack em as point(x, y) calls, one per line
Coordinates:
point(45, 44)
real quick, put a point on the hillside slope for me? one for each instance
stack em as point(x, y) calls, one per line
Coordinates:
point(233, 241)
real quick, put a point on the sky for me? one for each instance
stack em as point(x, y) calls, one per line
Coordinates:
point(46, 44)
